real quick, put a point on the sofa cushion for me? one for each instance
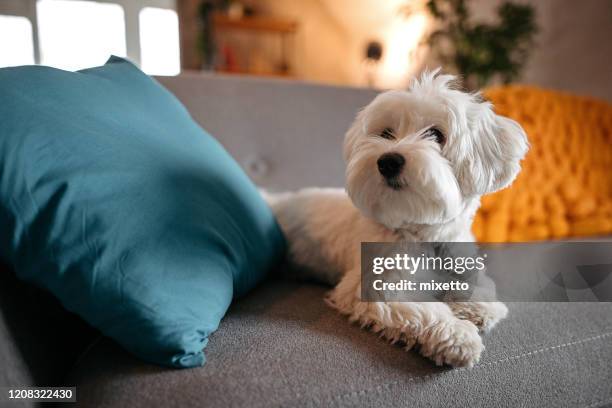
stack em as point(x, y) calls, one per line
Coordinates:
point(114, 200)
point(282, 346)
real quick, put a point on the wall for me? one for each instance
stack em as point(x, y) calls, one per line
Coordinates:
point(573, 47)
point(331, 42)
point(320, 43)
point(573, 51)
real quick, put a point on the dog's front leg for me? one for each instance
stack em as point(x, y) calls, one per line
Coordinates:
point(440, 335)
point(485, 315)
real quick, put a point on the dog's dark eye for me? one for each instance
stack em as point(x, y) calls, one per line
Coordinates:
point(437, 134)
point(387, 133)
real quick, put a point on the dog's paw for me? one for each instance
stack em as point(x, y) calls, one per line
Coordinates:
point(400, 337)
point(457, 344)
point(485, 315)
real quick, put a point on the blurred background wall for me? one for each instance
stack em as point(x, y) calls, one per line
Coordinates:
point(574, 47)
point(572, 50)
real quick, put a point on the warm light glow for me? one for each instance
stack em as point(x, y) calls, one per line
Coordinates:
point(16, 44)
point(401, 42)
point(77, 34)
point(159, 41)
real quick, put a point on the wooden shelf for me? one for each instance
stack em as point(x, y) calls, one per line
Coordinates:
point(263, 24)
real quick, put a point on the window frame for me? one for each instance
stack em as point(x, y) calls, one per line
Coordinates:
point(131, 9)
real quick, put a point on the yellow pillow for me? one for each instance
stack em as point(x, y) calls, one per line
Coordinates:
point(565, 187)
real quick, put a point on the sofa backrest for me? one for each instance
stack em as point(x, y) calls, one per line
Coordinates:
point(285, 134)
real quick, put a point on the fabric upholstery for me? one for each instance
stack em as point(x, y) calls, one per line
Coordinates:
point(39, 340)
point(282, 346)
point(275, 129)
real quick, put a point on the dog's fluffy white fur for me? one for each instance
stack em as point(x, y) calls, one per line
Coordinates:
point(453, 149)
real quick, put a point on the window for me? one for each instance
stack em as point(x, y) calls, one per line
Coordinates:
point(16, 47)
point(77, 34)
point(159, 41)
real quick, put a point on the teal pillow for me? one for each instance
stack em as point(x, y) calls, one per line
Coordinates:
point(116, 201)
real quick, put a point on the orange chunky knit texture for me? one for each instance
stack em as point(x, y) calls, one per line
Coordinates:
point(565, 186)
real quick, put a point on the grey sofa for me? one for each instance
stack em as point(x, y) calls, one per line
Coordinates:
point(281, 345)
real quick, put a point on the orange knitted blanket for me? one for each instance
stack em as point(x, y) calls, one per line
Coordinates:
point(565, 187)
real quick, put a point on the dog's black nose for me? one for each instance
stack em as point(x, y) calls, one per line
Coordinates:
point(390, 164)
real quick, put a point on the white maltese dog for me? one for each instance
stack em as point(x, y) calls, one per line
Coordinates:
point(417, 163)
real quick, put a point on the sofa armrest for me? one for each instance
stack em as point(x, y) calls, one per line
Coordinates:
point(39, 340)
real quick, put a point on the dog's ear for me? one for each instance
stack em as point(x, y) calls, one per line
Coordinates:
point(492, 160)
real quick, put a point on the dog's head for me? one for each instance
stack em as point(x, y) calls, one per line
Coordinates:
point(417, 156)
